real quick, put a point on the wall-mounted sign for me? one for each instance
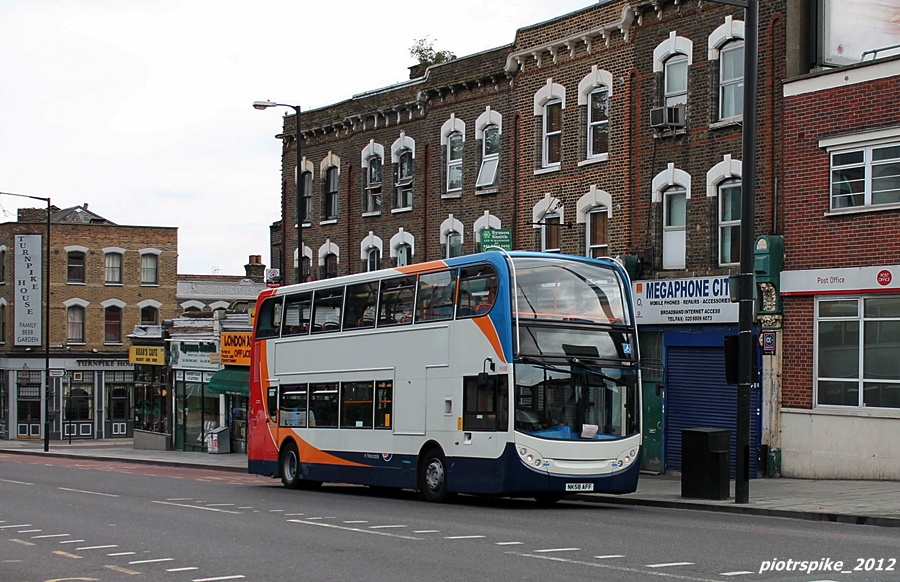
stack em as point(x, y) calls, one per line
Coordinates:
point(153, 355)
point(28, 287)
point(684, 301)
point(194, 355)
point(235, 348)
point(496, 237)
point(843, 280)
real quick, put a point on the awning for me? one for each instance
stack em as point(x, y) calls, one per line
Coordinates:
point(235, 381)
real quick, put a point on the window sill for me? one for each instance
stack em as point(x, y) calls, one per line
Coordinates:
point(76, 343)
point(861, 210)
point(75, 283)
point(549, 170)
point(367, 214)
point(857, 411)
point(594, 160)
point(727, 122)
point(401, 210)
point(113, 284)
point(327, 222)
point(451, 195)
point(493, 190)
point(149, 284)
point(112, 343)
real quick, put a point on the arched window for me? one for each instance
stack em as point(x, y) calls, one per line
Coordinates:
point(113, 267)
point(306, 189)
point(490, 157)
point(730, 222)
point(676, 80)
point(373, 259)
point(75, 267)
point(403, 183)
point(550, 233)
point(331, 266)
point(597, 233)
point(75, 324)
point(454, 245)
point(374, 178)
point(330, 190)
point(598, 123)
point(454, 162)
point(149, 315)
point(112, 325)
point(674, 224)
point(731, 80)
point(404, 255)
point(149, 269)
point(552, 134)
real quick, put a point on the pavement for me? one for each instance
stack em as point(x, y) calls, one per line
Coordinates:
point(844, 501)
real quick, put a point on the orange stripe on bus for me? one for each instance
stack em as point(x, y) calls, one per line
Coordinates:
point(310, 454)
point(421, 267)
point(487, 328)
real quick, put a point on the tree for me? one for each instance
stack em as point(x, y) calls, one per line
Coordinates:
point(423, 51)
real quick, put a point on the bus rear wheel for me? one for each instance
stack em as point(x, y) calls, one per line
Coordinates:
point(290, 469)
point(433, 476)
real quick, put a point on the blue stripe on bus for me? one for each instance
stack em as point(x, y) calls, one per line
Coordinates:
point(465, 474)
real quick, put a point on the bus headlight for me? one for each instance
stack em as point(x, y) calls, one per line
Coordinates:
point(528, 458)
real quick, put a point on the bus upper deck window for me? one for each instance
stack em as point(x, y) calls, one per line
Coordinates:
point(477, 290)
point(327, 310)
point(397, 301)
point(268, 318)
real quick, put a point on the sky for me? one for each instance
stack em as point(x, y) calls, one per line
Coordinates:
point(142, 109)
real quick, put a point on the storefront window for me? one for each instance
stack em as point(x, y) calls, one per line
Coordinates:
point(4, 406)
point(119, 387)
point(151, 406)
point(197, 409)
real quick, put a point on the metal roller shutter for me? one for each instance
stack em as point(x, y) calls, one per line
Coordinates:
point(697, 396)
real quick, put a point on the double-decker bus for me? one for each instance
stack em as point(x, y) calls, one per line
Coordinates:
point(498, 373)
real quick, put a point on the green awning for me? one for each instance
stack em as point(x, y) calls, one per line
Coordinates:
point(235, 381)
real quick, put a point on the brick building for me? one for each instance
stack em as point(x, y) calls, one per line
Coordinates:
point(105, 279)
point(841, 284)
point(614, 130)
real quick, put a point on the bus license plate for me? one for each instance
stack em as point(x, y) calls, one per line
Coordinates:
point(579, 486)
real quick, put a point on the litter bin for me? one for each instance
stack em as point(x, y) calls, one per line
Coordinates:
point(219, 440)
point(704, 463)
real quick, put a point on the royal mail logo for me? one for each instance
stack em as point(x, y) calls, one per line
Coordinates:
point(884, 277)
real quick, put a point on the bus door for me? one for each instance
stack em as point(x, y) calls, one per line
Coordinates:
point(264, 418)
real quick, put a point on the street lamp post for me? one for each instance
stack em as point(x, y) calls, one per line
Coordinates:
point(746, 349)
point(46, 319)
point(298, 179)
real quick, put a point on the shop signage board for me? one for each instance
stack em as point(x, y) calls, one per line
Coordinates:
point(153, 355)
point(28, 289)
point(235, 348)
point(684, 301)
point(844, 280)
point(195, 355)
point(497, 237)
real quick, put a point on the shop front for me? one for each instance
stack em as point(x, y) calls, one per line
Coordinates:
point(197, 410)
point(233, 382)
point(682, 327)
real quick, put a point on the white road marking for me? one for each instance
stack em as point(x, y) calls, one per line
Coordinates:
point(198, 507)
point(740, 573)
point(356, 529)
point(509, 543)
point(50, 536)
point(641, 571)
point(29, 531)
point(669, 564)
point(88, 492)
point(72, 542)
point(610, 556)
point(10, 526)
point(151, 561)
point(357, 521)
point(179, 498)
point(557, 550)
point(313, 518)
point(97, 547)
point(276, 511)
point(122, 554)
point(427, 531)
point(219, 504)
point(289, 514)
point(384, 526)
point(462, 537)
point(15, 483)
point(246, 507)
point(182, 569)
point(217, 578)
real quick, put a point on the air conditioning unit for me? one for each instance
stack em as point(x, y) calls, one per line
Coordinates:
point(665, 117)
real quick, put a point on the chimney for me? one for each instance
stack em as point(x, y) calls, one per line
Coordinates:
point(85, 205)
point(255, 270)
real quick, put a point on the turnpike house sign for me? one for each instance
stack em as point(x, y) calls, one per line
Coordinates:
point(29, 285)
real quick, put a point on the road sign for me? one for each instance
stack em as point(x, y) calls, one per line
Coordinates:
point(57, 373)
point(497, 237)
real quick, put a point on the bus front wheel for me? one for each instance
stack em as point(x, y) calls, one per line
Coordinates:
point(290, 466)
point(433, 476)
